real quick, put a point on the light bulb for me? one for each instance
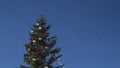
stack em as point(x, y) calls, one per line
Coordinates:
point(40, 38)
point(32, 31)
point(40, 28)
point(34, 41)
point(37, 23)
point(58, 58)
point(45, 67)
point(34, 59)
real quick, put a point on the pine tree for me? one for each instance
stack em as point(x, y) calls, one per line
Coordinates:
point(41, 50)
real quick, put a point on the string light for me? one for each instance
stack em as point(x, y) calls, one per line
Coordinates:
point(34, 59)
point(31, 31)
point(39, 28)
point(37, 23)
point(45, 67)
point(39, 38)
point(34, 41)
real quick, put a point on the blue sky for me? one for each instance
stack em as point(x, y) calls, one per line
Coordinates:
point(88, 31)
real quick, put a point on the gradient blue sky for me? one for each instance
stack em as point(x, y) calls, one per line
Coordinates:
point(88, 31)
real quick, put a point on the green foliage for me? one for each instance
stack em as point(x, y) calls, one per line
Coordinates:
point(40, 50)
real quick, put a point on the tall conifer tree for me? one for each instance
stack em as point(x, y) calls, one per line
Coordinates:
point(41, 50)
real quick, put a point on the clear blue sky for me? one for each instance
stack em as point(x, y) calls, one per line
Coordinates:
point(88, 31)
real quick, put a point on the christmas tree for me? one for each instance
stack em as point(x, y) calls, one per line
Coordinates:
point(41, 50)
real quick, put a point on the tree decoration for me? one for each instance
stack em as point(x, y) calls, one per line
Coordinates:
point(32, 31)
point(58, 59)
point(28, 49)
point(39, 38)
point(45, 67)
point(38, 52)
point(34, 59)
point(34, 41)
point(39, 28)
point(37, 23)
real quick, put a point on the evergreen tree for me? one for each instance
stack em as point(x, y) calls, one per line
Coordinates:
point(41, 50)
